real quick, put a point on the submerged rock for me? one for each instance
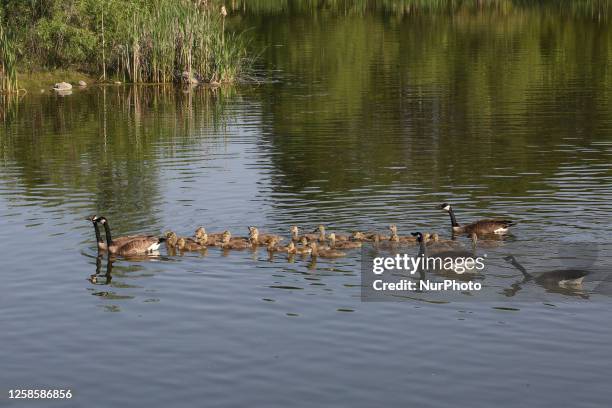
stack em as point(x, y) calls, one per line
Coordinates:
point(62, 86)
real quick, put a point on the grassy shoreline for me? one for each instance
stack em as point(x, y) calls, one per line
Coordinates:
point(157, 41)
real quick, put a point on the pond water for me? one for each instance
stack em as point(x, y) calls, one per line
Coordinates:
point(361, 118)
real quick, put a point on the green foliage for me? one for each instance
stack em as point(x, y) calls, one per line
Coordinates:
point(135, 40)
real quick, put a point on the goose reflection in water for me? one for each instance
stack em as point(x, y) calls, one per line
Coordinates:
point(562, 281)
point(102, 279)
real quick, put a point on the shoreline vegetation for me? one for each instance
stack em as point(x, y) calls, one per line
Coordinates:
point(133, 41)
point(187, 41)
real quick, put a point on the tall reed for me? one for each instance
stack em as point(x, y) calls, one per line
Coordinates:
point(8, 60)
point(173, 39)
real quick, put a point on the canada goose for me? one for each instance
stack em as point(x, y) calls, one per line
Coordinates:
point(291, 248)
point(480, 227)
point(228, 243)
point(342, 245)
point(295, 233)
point(321, 229)
point(374, 236)
point(435, 242)
point(484, 244)
point(210, 238)
point(305, 248)
point(274, 247)
point(560, 277)
point(171, 239)
point(130, 245)
point(397, 239)
point(342, 237)
point(452, 251)
point(316, 252)
point(255, 236)
point(359, 236)
point(188, 244)
point(99, 240)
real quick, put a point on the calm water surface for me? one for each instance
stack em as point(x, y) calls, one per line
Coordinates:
point(362, 119)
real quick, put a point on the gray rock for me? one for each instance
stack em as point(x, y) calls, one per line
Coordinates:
point(82, 83)
point(190, 80)
point(62, 86)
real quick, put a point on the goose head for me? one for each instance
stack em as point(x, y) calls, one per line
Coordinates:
point(418, 236)
point(510, 258)
point(445, 207)
point(200, 232)
point(172, 239)
point(358, 236)
point(225, 238)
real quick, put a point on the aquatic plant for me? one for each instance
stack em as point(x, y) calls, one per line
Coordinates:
point(132, 40)
point(8, 60)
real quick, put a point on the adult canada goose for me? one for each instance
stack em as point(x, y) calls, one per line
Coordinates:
point(481, 227)
point(316, 252)
point(130, 245)
point(99, 240)
point(342, 244)
point(560, 277)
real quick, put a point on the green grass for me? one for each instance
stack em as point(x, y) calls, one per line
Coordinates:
point(134, 41)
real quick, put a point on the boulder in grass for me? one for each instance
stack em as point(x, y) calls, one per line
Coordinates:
point(82, 83)
point(62, 86)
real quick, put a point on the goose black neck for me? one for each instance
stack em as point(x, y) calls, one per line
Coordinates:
point(521, 268)
point(98, 236)
point(454, 222)
point(107, 231)
point(422, 248)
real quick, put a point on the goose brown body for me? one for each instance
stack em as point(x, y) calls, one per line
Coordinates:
point(129, 245)
point(481, 227)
